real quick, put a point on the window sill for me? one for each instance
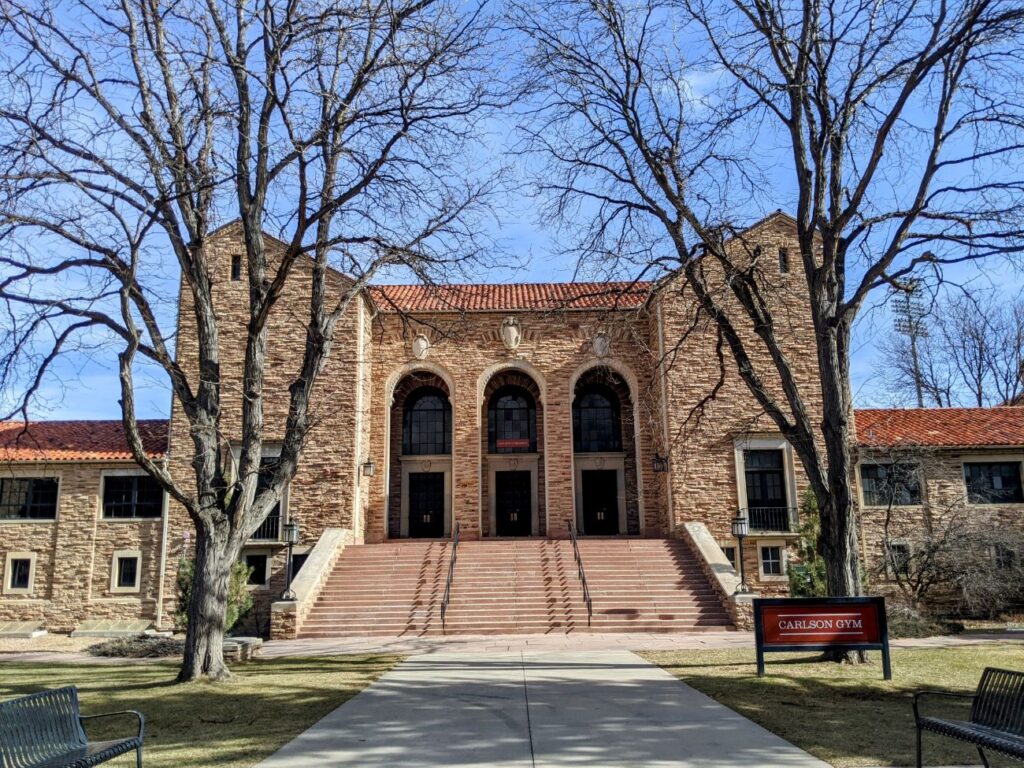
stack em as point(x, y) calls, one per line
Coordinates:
point(117, 520)
point(27, 521)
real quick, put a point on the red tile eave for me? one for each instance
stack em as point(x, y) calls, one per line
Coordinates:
point(521, 297)
point(997, 428)
point(82, 441)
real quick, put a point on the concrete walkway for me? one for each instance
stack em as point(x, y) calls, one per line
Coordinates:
point(519, 710)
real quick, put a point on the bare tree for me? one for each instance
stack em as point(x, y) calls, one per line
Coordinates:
point(902, 130)
point(128, 130)
point(969, 351)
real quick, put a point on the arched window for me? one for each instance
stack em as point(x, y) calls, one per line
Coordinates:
point(596, 426)
point(427, 423)
point(512, 421)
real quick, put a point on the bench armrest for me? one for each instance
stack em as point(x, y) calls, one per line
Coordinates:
point(945, 694)
point(138, 715)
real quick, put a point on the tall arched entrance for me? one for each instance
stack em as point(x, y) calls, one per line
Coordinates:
point(420, 477)
point(604, 455)
point(513, 451)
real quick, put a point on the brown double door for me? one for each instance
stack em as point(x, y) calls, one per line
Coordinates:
point(513, 503)
point(600, 499)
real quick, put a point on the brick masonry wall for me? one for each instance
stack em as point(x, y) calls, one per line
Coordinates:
point(74, 554)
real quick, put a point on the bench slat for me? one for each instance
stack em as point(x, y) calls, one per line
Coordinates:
point(999, 703)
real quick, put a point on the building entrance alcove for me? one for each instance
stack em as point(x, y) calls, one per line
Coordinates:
point(420, 477)
point(604, 455)
point(513, 464)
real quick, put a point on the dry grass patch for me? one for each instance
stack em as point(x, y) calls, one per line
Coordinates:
point(845, 715)
point(233, 724)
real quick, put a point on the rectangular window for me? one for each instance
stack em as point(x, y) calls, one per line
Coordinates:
point(783, 261)
point(766, 487)
point(132, 496)
point(28, 498)
point(887, 485)
point(730, 555)
point(993, 482)
point(258, 563)
point(236, 266)
point(771, 561)
point(897, 558)
point(1005, 557)
point(20, 573)
point(297, 562)
point(127, 576)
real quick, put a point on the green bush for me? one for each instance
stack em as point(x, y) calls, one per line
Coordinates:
point(807, 578)
point(239, 596)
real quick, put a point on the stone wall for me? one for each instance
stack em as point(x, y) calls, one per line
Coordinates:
point(74, 553)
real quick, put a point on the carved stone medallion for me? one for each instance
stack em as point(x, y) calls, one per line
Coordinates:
point(601, 344)
point(420, 347)
point(511, 333)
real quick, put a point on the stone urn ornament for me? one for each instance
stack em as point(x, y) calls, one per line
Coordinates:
point(511, 333)
point(420, 346)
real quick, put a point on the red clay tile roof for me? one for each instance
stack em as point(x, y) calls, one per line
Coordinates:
point(482, 297)
point(76, 440)
point(941, 427)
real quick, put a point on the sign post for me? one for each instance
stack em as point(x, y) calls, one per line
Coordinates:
point(821, 624)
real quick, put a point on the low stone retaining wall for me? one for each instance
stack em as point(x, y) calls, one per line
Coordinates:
point(287, 616)
point(720, 573)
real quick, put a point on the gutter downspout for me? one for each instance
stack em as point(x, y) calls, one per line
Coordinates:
point(664, 416)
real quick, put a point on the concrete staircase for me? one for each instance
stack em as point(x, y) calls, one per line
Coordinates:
point(515, 586)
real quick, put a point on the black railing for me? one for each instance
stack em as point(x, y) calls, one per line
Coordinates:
point(270, 529)
point(451, 575)
point(582, 572)
point(771, 519)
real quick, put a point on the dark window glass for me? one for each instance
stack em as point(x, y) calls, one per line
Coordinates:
point(297, 562)
point(236, 266)
point(783, 261)
point(127, 572)
point(28, 498)
point(1005, 557)
point(595, 421)
point(512, 421)
point(994, 482)
point(899, 559)
point(268, 465)
point(890, 484)
point(132, 496)
point(771, 561)
point(766, 479)
point(21, 573)
point(258, 565)
point(427, 423)
point(730, 555)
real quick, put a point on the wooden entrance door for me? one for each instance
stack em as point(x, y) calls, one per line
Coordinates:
point(513, 503)
point(426, 505)
point(600, 501)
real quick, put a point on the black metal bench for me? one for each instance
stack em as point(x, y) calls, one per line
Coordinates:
point(997, 716)
point(45, 730)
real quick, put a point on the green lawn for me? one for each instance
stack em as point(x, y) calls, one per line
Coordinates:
point(236, 723)
point(846, 715)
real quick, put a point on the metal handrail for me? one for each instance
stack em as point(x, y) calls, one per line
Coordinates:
point(582, 572)
point(772, 519)
point(451, 575)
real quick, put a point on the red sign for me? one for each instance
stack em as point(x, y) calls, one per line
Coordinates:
point(512, 444)
point(822, 624)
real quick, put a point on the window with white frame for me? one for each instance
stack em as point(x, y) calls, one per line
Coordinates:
point(19, 573)
point(258, 564)
point(126, 571)
point(772, 559)
point(897, 558)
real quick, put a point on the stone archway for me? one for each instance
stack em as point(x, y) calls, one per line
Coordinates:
point(606, 478)
point(512, 476)
point(420, 457)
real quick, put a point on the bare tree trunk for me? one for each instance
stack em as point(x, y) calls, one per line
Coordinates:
point(204, 642)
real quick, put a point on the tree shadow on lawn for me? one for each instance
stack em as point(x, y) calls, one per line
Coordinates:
point(237, 722)
point(845, 720)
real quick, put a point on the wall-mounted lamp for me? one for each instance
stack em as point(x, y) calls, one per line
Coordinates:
point(660, 463)
point(369, 468)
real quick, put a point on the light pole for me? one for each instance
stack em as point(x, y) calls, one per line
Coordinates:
point(291, 537)
point(740, 529)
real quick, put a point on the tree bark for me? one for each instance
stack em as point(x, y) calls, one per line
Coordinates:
point(204, 641)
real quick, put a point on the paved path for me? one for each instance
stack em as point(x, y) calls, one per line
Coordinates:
point(520, 710)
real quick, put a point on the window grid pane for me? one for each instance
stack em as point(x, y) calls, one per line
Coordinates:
point(996, 482)
point(28, 498)
point(512, 422)
point(132, 496)
point(21, 570)
point(890, 484)
point(427, 424)
point(596, 424)
point(771, 561)
point(127, 572)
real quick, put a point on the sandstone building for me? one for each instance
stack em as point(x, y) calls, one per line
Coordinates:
point(508, 413)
